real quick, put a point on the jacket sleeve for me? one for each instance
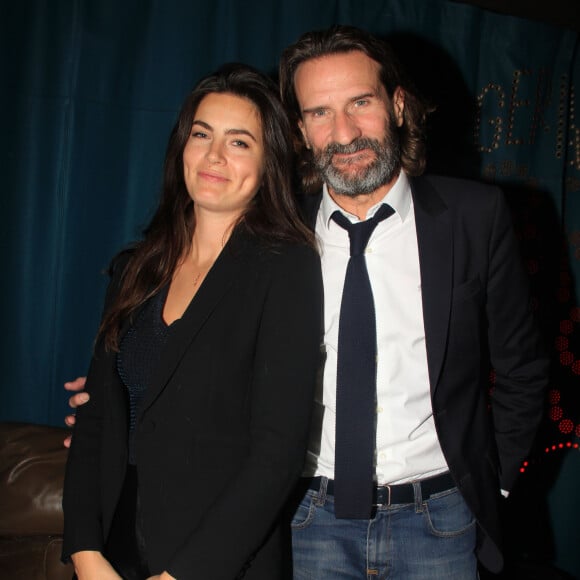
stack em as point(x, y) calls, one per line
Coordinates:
point(82, 490)
point(516, 350)
point(287, 358)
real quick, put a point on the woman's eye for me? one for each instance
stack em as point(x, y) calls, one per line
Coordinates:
point(198, 134)
point(241, 144)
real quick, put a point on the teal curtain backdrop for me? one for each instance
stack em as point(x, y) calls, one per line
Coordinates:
point(90, 89)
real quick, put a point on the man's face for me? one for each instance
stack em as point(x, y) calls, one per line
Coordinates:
point(349, 122)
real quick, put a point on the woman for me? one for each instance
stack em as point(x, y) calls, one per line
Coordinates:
point(204, 367)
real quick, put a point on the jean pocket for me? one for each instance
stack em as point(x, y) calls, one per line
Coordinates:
point(447, 515)
point(304, 513)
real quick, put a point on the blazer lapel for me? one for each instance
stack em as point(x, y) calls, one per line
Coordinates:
point(435, 241)
point(217, 283)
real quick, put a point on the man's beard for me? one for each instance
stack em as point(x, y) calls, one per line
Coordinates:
point(380, 171)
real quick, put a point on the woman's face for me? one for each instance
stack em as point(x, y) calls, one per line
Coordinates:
point(223, 159)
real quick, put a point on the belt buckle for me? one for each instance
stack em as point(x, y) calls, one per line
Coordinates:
point(388, 488)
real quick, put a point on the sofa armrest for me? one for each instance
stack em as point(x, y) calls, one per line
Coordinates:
point(32, 465)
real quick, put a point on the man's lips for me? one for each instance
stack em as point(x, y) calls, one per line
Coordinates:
point(347, 158)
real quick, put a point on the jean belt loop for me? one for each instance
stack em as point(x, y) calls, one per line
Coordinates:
point(418, 496)
point(321, 499)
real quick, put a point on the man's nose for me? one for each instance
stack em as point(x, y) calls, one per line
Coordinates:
point(345, 129)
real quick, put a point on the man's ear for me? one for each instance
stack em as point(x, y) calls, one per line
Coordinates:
point(303, 131)
point(399, 105)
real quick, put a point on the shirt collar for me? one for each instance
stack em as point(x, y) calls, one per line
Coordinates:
point(398, 197)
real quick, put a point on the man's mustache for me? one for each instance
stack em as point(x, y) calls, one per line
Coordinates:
point(359, 144)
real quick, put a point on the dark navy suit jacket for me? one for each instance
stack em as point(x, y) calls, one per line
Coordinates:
point(476, 311)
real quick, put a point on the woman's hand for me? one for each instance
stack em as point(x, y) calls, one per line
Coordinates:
point(92, 565)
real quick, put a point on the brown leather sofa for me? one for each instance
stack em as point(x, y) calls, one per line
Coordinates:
point(32, 461)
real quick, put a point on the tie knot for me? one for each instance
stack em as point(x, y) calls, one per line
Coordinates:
point(359, 233)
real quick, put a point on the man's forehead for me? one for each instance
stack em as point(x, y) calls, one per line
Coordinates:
point(345, 75)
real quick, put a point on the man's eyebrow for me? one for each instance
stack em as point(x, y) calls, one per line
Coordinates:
point(312, 109)
point(232, 131)
point(370, 94)
point(363, 96)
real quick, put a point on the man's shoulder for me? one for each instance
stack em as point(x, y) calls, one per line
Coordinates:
point(446, 184)
point(455, 191)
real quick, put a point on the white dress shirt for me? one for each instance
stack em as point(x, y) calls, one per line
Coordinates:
point(407, 446)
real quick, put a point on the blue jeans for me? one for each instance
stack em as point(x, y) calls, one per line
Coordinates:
point(426, 540)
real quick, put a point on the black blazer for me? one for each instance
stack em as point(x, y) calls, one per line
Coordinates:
point(222, 431)
point(476, 314)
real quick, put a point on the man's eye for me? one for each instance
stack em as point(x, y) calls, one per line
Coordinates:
point(361, 103)
point(319, 113)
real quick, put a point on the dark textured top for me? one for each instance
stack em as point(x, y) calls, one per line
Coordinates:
point(139, 355)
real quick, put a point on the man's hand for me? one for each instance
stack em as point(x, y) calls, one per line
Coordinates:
point(75, 401)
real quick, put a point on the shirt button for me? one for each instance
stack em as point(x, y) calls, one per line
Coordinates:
point(379, 409)
point(382, 456)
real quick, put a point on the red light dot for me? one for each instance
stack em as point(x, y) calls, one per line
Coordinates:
point(566, 426)
point(522, 470)
point(566, 327)
point(553, 448)
point(576, 367)
point(561, 343)
point(556, 413)
point(566, 358)
point(554, 396)
point(526, 463)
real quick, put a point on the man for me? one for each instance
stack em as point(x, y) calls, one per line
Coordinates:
point(449, 296)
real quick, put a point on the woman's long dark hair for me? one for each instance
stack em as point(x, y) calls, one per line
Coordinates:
point(271, 216)
point(343, 39)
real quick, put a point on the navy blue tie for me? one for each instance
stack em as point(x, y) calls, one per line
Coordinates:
point(356, 380)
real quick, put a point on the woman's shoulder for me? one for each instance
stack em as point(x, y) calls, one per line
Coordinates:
point(274, 248)
point(284, 251)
